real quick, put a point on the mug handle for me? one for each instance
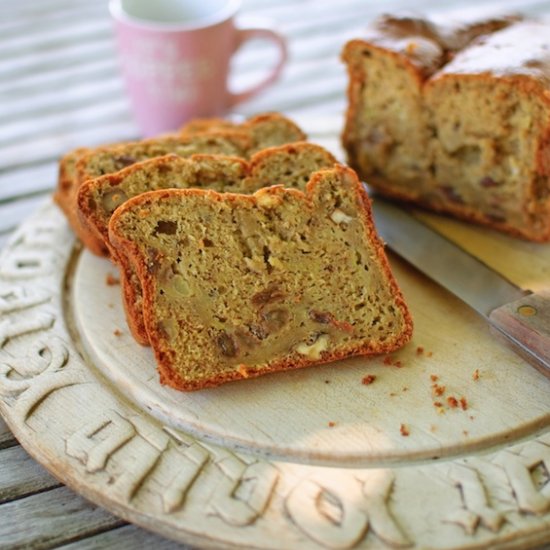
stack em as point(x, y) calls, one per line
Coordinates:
point(263, 32)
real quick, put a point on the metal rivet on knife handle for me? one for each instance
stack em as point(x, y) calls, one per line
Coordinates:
point(527, 311)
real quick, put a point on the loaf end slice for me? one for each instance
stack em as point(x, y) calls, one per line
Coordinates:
point(237, 286)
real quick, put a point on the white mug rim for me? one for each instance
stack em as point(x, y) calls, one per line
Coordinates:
point(224, 14)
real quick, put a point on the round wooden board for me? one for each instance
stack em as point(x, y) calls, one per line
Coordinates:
point(242, 465)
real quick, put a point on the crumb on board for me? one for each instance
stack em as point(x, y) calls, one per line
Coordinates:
point(452, 402)
point(429, 354)
point(368, 379)
point(391, 362)
point(111, 280)
point(434, 377)
point(331, 424)
point(327, 381)
point(475, 376)
point(404, 430)
point(466, 432)
point(404, 388)
point(419, 350)
point(117, 332)
point(438, 390)
point(463, 403)
point(438, 404)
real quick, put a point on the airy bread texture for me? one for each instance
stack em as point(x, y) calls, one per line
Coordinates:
point(236, 286)
point(456, 119)
point(208, 136)
point(289, 165)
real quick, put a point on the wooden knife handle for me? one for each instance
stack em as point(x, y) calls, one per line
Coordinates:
point(526, 323)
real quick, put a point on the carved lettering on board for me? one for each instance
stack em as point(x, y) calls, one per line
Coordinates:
point(26, 381)
point(36, 322)
point(15, 298)
point(528, 473)
point(37, 235)
point(337, 510)
point(476, 508)
point(26, 264)
point(245, 490)
point(188, 459)
point(95, 443)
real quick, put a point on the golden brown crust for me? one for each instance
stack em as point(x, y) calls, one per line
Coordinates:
point(165, 356)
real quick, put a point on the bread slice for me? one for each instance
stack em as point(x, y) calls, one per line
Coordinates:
point(289, 165)
point(209, 136)
point(455, 123)
point(236, 286)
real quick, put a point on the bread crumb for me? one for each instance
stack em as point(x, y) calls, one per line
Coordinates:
point(438, 404)
point(111, 280)
point(438, 390)
point(475, 376)
point(434, 377)
point(429, 354)
point(327, 381)
point(405, 388)
point(331, 424)
point(466, 432)
point(369, 379)
point(463, 403)
point(452, 402)
point(389, 361)
point(404, 430)
point(419, 350)
point(242, 371)
point(117, 332)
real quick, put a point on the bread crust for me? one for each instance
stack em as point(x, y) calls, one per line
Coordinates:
point(165, 357)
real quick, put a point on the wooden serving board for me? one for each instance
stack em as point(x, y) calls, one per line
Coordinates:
point(448, 447)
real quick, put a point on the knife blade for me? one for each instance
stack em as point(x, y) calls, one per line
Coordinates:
point(522, 317)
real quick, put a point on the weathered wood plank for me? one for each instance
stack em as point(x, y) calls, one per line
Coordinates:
point(20, 475)
point(51, 518)
point(7, 439)
point(127, 537)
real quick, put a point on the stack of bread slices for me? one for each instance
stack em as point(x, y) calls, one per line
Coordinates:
point(243, 249)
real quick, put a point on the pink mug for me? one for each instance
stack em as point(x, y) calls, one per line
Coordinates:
point(175, 57)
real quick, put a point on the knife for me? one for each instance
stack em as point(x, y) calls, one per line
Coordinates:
point(521, 317)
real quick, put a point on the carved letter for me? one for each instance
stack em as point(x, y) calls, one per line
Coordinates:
point(21, 264)
point(189, 458)
point(519, 468)
point(95, 454)
point(328, 509)
point(18, 298)
point(476, 506)
point(11, 329)
point(244, 492)
point(377, 487)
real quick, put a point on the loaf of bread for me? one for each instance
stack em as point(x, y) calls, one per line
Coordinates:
point(290, 165)
point(211, 137)
point(455, 119)
point(236, 286)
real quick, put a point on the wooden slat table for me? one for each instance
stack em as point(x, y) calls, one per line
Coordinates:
point(60, 88)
